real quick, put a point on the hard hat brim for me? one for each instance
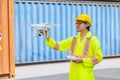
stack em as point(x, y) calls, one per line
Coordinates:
point(75, 20)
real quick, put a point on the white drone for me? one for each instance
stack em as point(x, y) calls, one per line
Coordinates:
point(40, 27)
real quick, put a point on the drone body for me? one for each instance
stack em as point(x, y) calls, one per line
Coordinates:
point(40, 27)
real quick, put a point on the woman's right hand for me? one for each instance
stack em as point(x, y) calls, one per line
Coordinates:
point(45, 33)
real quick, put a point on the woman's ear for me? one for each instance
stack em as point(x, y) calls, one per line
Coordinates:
point(86, 25)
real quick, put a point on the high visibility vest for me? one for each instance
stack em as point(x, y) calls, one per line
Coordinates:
point(85, 50)
point(86, 45)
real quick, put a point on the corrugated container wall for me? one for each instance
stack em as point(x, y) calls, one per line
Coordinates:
point(106, 26)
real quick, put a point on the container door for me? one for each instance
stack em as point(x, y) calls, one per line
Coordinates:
point(5, 50)
point(4, 62)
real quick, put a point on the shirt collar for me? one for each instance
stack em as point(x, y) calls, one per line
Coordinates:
point(87, 35)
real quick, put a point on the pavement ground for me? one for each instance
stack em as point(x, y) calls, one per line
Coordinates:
point(103, 74)
point(108, 69)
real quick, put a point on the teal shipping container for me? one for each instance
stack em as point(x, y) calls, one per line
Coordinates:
point(106, 26)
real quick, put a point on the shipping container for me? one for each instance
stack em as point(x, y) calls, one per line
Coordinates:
point(7, 63)
point(106, 26)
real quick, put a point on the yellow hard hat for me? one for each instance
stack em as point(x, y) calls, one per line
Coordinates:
point(85, 18)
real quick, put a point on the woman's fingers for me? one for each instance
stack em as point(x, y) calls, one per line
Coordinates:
point(78, 61)
point(45, 33)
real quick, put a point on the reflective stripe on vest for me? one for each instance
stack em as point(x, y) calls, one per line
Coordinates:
point(56, 46)
point(86, 46)
point(73, 45)
point(94, 60)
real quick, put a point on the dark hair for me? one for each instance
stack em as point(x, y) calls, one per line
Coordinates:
point(88, 28)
